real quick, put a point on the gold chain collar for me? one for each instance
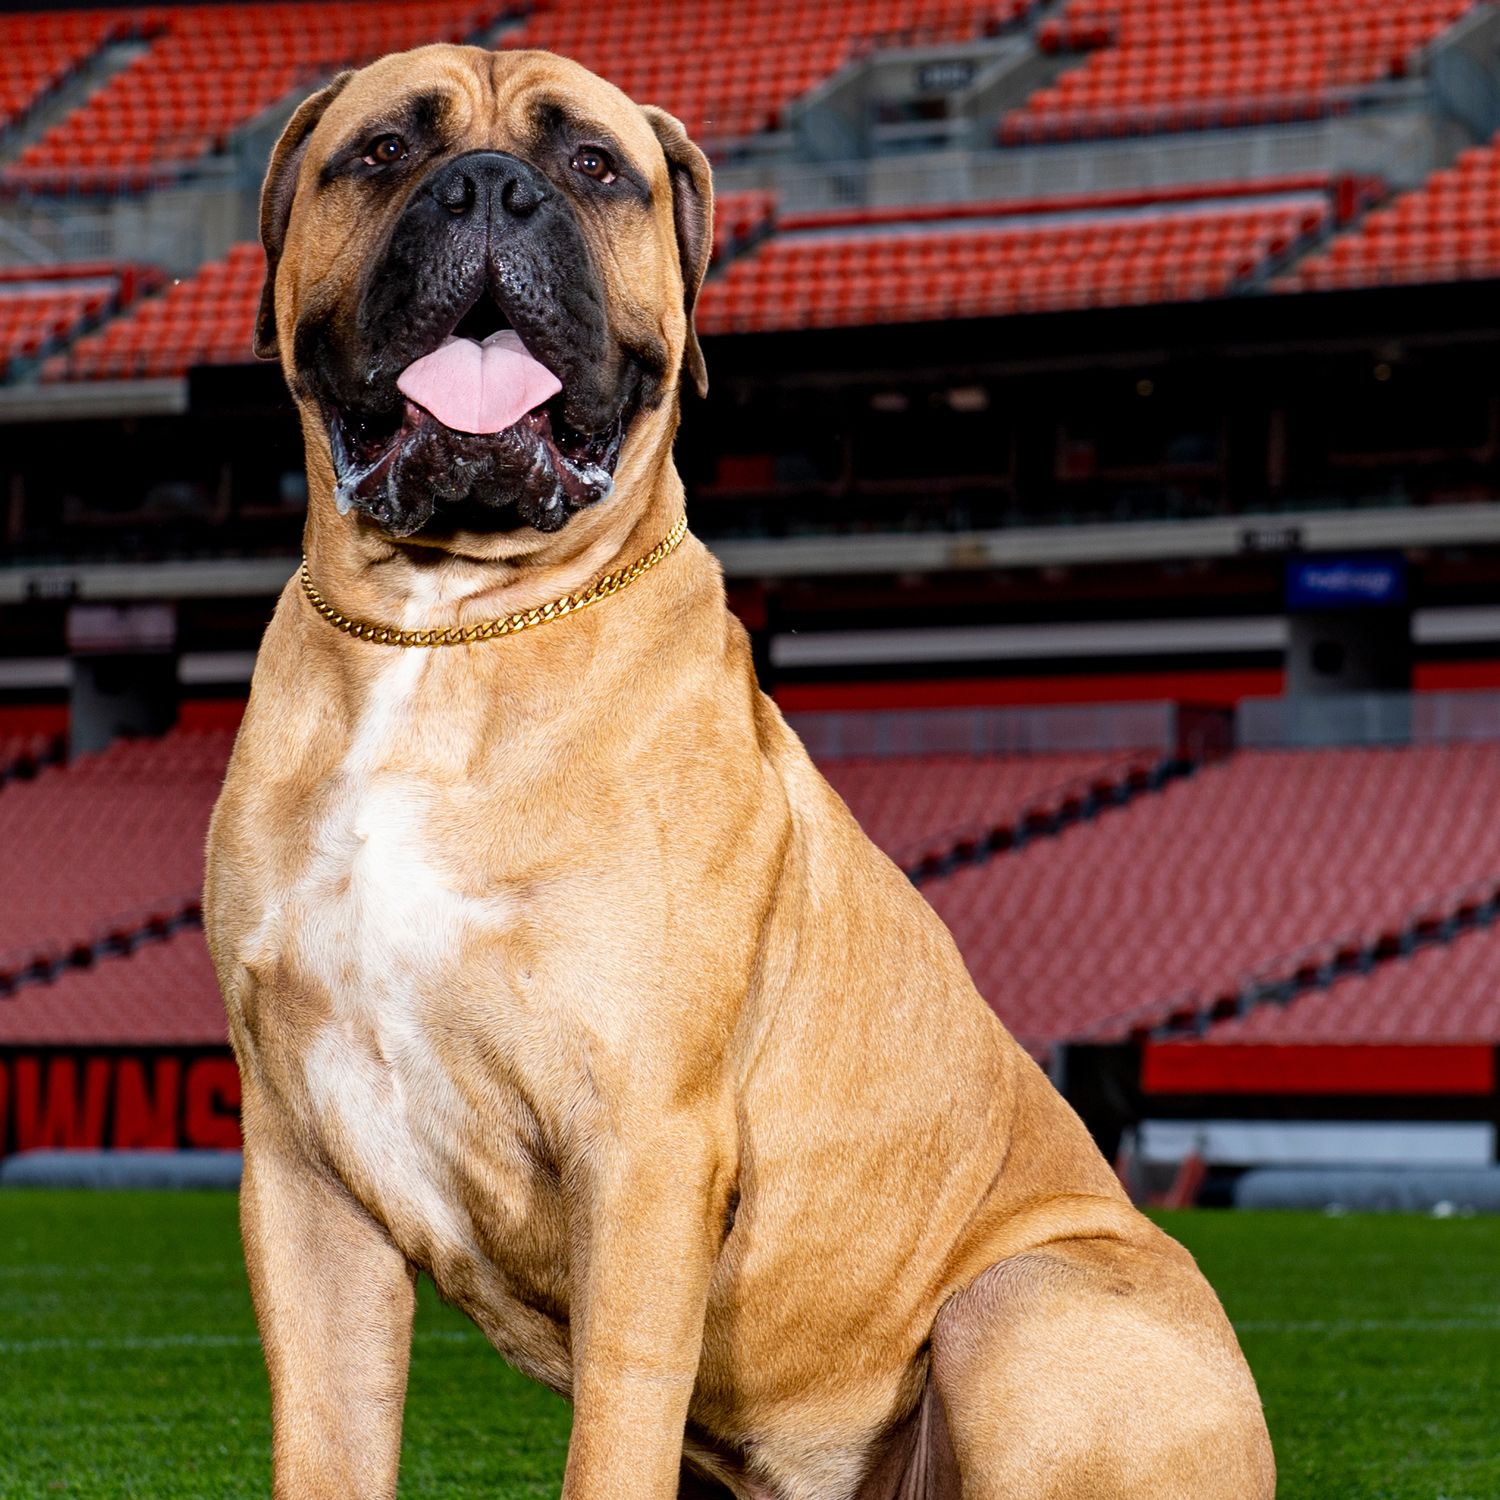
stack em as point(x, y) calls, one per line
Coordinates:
point(463, 635)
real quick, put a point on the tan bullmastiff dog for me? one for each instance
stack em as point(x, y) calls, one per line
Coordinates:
point(554, 968)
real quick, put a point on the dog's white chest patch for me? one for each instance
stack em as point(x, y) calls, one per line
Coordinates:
point(377, 923)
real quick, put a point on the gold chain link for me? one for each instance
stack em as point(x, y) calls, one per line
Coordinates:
point(464, 635)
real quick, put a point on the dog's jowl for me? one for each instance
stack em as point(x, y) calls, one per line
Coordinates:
point(553, 967)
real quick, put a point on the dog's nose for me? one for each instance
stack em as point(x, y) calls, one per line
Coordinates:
point(502, 183)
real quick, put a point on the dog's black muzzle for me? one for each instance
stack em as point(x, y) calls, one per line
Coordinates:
point(485, 242)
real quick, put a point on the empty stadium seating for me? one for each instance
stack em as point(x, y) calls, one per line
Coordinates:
point(1447, 992)
point(966, 269)
point(917, 806)
point(979, 268)
point(1102, 929)
point(1183, 64)
point(1447, 230)
point(206, 319)
point(730, 70)
point(162, 994)
point(38, 51)
point(1186, 892)
point(107, 843)
point(41, 307)
point(209, 69)
point(209, 318)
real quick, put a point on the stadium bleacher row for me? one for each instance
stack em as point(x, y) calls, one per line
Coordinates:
point(1145, 65)
point(986, 270)
point(1393, 1002)
point(945, 800)
point(40, 50)
point(692, 59)
point(111, 842)
point(1187, 892)
point(1091, 932)
point(1447, 230)
point(161, 994)
point(209, 318)
point(206, 70)
point(42, 308)
point(803, 276)
point(1142, 65)
point(1160, 65)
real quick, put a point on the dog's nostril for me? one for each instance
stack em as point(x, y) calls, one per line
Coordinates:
point(455, 192)
point(520, 197)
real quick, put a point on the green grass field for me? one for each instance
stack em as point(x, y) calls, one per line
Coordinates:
point(129, 1366)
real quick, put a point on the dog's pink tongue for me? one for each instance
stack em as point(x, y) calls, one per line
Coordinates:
point(479, 387)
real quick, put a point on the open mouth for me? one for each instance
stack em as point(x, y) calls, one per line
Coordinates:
point(476, 426)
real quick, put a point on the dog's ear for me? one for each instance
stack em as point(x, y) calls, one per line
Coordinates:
point(276, 202)
point(693, 216)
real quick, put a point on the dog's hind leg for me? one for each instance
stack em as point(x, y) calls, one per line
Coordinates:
point(1099, 1369)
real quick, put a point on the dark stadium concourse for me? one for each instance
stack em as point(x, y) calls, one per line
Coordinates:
point(1243, 423)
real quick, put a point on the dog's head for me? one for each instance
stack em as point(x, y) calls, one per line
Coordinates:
point(481, 270)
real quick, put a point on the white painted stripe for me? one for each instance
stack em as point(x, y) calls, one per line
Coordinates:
point(1323, 1328)
point(1465, 623)
point(35, 672)
point(1008, 642)
point(1337, 1326)
point(215, 666)
point(201, 1341)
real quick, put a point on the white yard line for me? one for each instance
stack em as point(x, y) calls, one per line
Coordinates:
point(1370, 1325)
point(1331, 1326)
point(200, 1341)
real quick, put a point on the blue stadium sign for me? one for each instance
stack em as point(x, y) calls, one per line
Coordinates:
point(1368, 581)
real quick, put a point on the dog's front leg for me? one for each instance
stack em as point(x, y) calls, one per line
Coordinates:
point(647, 1224)
point(333, 1299)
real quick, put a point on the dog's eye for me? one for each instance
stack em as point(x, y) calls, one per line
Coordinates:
point(385, 150)
point(594, 162)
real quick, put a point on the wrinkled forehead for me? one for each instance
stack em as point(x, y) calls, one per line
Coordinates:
point(472, 99)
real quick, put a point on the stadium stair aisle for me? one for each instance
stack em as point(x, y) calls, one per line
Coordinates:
point(1167, 65)
point(1185, 893)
